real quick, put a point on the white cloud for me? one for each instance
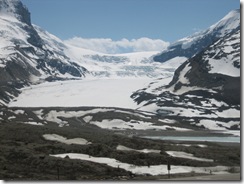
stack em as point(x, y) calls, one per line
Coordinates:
point(107, 45)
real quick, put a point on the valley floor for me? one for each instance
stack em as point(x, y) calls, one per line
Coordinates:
point(91, 153)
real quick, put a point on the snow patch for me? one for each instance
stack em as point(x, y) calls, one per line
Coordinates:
point(189, 145)
point(124, 148)
point(219, 66)
point(33, 123)
point(181, 154)
point(59, 138)
point(19, 112)
point(11, 117)
point(87, 119)
point(39, 113)
point(217, 125)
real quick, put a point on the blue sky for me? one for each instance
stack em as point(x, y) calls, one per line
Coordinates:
point(168, 20)
point(125, 25)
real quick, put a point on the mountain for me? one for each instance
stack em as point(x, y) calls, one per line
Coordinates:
point(14, 8)
point(191, 45)
point(31, 55)
point(216, 68)
point(100, 65)
point(25, 57)
point(205, 90)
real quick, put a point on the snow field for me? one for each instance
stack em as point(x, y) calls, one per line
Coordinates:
point(55, 116)
point(219, 67)
point(141, 170)
point(193, 112)
point(119, 124)
point(134, 125)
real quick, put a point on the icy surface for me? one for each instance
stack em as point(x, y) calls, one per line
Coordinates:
point(87, 92)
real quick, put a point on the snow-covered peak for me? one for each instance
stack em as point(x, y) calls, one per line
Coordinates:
point(231, 15)
point(8, 6)
point(191, 45)
point(15, 9)
point(227, 24)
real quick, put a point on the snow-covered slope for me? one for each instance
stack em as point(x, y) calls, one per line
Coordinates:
point(24, 57)
point(205, 90)
point(191, 45)
point(14, 8)
point(23, 41)
point(216, 68)
point(223, 57)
